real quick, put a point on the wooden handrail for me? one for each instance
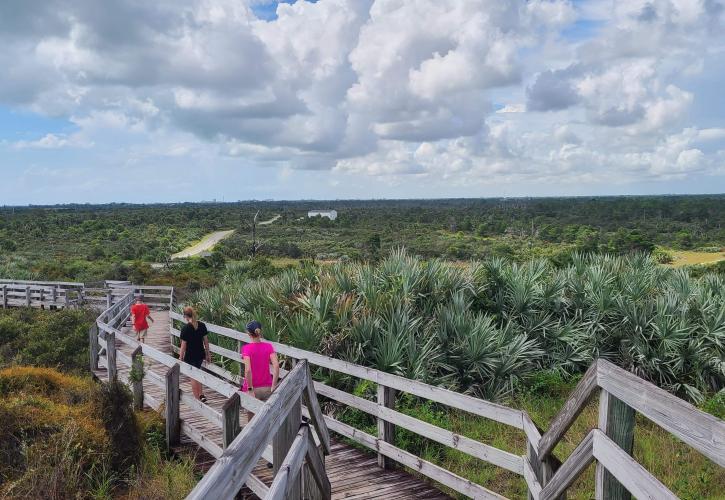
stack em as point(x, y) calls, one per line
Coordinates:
point(453, 399)
point(230, 471)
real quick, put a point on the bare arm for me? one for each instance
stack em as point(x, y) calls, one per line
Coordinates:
point(206, 349)
point(182, 352)
point(275, 370)
point(248, 372)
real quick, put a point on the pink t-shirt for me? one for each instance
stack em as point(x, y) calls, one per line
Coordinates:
point(259, 354)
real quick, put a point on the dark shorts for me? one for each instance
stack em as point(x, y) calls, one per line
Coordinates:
point(196, 363)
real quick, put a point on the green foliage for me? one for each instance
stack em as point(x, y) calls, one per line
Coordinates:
point(45, 338)
point(487, 327)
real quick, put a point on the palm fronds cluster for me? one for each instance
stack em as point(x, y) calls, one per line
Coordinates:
point(485, 327)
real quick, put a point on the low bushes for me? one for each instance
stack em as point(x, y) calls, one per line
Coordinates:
point(45, 338)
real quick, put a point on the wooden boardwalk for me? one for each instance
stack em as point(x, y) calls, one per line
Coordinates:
point(353, 473)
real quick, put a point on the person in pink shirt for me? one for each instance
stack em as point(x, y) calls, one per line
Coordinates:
point(257, 356)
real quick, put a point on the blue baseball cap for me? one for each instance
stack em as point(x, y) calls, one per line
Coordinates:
point(253, 325)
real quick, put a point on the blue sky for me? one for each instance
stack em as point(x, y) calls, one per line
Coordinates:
point(229, 99)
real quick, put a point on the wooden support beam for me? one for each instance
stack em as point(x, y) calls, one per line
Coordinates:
point(286, 484)
point(137, 376)
point(5, 296)
point(93, 346)
point(27, 296)
point(111, 355)
point(386, 430)
point(315, 468)
point(230, 422)
point(173, 427)
point(616, 421)
point(282, 441)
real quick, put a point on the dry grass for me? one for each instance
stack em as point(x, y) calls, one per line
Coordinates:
point(683, 258)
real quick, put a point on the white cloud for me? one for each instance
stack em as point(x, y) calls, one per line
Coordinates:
point(385, 88)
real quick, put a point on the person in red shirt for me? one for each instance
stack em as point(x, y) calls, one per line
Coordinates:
point(140, 313)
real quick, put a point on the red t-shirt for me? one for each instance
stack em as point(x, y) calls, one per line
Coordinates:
point(140, 312)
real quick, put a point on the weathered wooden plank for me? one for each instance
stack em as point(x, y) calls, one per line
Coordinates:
point(635, 478)
point(93, 346)
point(199, 438)
point(316, 465)
point(257, 486)
point(579, 459)
point(111, 355)
point(206, 411)
point(484, 452)
point(532, 481)
point(616, 420)
point(230, 471)
point(286, 482)
point(700, 430)
point(533, 435)
point(151, 401)
point(136, 377)
point(172, 406)
point(123, 358)
point(230, 419)
point(386, 430)
point(284, 438)
point(426, 468)
point(315, 412)
point(571, 409)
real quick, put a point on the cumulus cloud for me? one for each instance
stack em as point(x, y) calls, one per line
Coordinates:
point(376, 87)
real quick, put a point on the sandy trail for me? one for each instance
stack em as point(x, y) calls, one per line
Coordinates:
point(206, 243)
point(270, 221)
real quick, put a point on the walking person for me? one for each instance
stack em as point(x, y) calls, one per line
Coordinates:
point(257, 357)
point(140, 316)
point(194, 347)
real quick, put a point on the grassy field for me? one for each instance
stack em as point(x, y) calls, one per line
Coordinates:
point(683, 258)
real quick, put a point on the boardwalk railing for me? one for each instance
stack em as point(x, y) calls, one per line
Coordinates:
point(41, 295)
point(280, 417)
point(610, 444)
point(107, 330)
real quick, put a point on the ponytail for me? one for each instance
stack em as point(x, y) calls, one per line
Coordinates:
point(189, 312)
point(256, 333)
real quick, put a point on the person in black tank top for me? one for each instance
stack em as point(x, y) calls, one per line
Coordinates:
point(194, 347)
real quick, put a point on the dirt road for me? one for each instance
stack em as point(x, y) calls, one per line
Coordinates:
point(206, 243)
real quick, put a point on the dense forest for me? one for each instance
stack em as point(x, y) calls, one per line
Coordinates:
point(87, 242)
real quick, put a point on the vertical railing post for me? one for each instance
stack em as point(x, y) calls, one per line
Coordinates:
point(282, 441)
point(111, 355)
point(42, 306)
point(173, 424)
point(533, 457)
point(109, 299)
point(53, 296)
point(230, 424)
point(5, 296)
point(93, 346)
point(386, 430)
point(616, 420)
point(27, 296)
point(67, 299)
point(137, 377)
